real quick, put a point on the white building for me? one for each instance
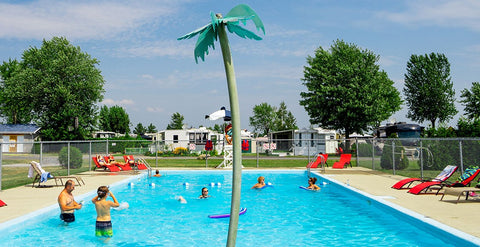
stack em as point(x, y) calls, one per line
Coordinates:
point(19, 137)
point(305, 141)
point(193, 139)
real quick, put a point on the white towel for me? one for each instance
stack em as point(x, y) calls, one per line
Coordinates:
point(30, 172)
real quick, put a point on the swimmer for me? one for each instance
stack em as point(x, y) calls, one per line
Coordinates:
point(157, 174)
point(204, 194)
point(181, 199)
point(260, 184)
point(312, 185)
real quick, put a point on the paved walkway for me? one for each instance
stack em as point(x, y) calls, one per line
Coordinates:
point(463, 216)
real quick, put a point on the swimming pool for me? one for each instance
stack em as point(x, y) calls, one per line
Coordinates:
point(277, 216)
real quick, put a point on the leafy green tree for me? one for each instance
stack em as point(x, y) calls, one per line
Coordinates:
point(114, 119)
point(346, 89)
point(428, 90)
point(471, 101)
point(284, 119)
point(15, 106)
point(218, 128)
point(263, 117)
point(176, 122)
point(62, 85)
point(140, 129)
point(151, 128)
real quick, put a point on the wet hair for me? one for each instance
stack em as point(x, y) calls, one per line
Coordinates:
point(157, 172)
point(313, 179)
point(260, 178)
point(102, 191)
point(204, 188)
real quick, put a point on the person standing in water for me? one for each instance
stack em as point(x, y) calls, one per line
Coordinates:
point(103, 227)
point(67, 203)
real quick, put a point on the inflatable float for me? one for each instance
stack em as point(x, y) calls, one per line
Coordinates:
point(217, 216)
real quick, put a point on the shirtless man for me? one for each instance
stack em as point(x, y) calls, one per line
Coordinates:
point(103, 226)
point(260, 184)
point(67, 203)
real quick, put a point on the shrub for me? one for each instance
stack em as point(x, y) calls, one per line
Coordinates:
point(76, 158)
point(401, 160)
point(180, 151)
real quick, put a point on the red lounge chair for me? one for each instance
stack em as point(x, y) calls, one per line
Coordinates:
point(344, 160)
point(108, 167)
point(130, 160)
point(464, 180)
point(321, 159)
point(444, 175)
point(111, 160)
point(2, 203)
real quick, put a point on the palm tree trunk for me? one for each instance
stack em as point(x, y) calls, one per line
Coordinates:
point(237, 151)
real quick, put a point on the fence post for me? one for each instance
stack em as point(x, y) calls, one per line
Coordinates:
point(156, 153)
point(106, 148)
point(256, 151)
point(373, 154)
point(68, 159)
point(421, 159)
point(41, 152)
point(393, 156)
point(90, 156)
point(356, 151)
point(461, 154)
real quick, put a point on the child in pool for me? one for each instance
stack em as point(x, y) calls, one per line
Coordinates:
point(312, 185)
point(103, 226)
point(260, 184)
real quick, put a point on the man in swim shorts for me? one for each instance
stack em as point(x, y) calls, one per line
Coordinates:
point(67, 203)
point(103, 226)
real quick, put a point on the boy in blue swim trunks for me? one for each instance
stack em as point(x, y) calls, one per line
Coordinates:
point(103, 227)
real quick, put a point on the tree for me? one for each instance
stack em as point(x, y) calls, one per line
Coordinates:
point(346, 89)
point(151, 128)
point(471, 101)
point(263, 117)
point(176, 122)
point(62, 86)
point(207, 35)
point(428, 90)
point(284, 119)
point(114, 119)
point(267, 118)
point(15, 106)
point(139, 129)
point(218, 128)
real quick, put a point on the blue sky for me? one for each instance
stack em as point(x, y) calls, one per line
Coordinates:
point(152, 75)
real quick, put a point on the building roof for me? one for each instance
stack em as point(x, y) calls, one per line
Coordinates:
point(19, 129)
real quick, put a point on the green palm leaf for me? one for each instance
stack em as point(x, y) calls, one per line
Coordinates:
point(206, 39)
point(242, 32)
point(243, 10)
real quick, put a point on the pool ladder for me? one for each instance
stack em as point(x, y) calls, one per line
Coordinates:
point(322, 163)
point(142, 160)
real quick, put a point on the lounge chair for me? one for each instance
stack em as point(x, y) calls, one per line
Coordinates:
point(42, 176)
point(131, 160)
point(2, 203)
point(464, 180)
point(444, 175)
point(344, 160)
point(105, 166)
point(459, 192)
point(321, 159)
point(111, 160)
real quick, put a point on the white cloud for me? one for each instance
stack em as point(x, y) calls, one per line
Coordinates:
point(156, 49)
point(459, 13)
point(78, 19)
point(122, 102)
point(155, 109)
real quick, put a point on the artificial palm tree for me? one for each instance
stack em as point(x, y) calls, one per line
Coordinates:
point(207, 36)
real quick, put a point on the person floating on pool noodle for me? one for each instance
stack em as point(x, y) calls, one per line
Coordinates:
point(157, 173)
point(260, 184)
point(312, 185)
point(204, 194)
point(103, 226)
point(67, 203)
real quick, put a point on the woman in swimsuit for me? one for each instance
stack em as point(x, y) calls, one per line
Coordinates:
point(260, 184)
point(204, 194)
point(312, 185)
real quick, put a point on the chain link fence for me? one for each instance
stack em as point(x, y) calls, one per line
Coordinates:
point(422, 157)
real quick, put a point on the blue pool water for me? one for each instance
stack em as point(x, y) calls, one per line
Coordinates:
point(278, 216)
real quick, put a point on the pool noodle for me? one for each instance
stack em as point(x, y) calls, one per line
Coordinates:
point(305, 188)
point(217, 216)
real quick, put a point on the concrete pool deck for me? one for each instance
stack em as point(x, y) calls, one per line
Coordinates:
point(463, 216)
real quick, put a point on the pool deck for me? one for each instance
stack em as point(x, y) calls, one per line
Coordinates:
point(463, 215)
